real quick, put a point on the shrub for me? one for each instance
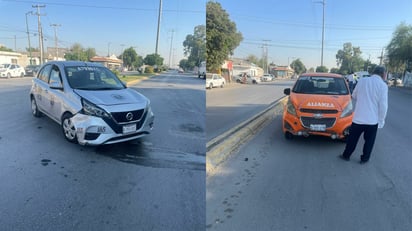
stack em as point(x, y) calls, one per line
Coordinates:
point(149, 69)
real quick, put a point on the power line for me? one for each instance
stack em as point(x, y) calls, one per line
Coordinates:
point(106, 7)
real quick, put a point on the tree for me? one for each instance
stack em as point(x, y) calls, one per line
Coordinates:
point(334, 70)
point(131, 59)
point(298, 66)
point(349, 59)
point(195, 47)
point(77, 52)
point(184, 64)
point(253, 59)
point(399, 50)
point(222, 36)
point(3, 48)
point(153, 60)
point(322, 69)
point(90, 53)
point(32, 49)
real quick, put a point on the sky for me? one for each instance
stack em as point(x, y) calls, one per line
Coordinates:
point(106, 25)
point(293, 29)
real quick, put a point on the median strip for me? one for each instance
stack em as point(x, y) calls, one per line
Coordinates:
point(220, 148)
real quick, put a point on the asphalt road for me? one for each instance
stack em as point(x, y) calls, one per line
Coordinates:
point(229, 106)
point(154, 183)
point(278, 184)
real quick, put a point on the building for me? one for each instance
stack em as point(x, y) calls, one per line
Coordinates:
point(111, 62)
point(282, 71)
point(241, 66)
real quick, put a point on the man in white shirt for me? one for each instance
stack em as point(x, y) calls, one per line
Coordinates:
point(371, 104)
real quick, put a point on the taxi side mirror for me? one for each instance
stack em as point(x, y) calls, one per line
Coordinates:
point(286, 91)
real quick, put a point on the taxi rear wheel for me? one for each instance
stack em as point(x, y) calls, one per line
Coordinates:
point(69, 131)
point(34, 108)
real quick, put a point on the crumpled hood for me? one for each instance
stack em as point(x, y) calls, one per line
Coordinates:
point(113, 97)
point(325, 102)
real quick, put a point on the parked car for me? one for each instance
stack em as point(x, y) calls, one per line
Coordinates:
point(267, 77)
point(318, 104)
point(214, 80)
point(202, 70)
point(8, 70)
point(89, 102)
point(31, 70)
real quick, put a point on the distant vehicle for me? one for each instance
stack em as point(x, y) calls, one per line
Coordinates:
point(267, 77)
point(394, 81)
point(249, 79)
point(318, 104)
point(360, 74)
point(8, 70)
point(202, 70)
point(214, 80)
point(31, 70)
point(90, 103)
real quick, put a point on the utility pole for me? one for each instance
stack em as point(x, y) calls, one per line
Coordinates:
point(40, 31)
point(381, 58)
point(158, 26)
point(323, 29)
point(28, 36)
point(108, 49)
point(122, 45)
point(171, 46)
point(55, 40)
point(265, 55)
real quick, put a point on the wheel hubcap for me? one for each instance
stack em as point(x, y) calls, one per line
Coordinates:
point(69, 130)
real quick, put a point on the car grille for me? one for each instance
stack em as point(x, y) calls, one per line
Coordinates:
point(318, 111)
point(120, 117)
point(118, 128)
point(307, 121)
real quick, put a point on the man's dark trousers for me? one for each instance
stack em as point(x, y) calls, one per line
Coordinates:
point(369, 135)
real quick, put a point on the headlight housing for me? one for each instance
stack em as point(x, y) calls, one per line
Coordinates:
point(93, 110)
point(347, 111)
point(290, 108)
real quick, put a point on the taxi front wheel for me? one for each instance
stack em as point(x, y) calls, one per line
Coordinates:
point(68, 128)
point(288, 135)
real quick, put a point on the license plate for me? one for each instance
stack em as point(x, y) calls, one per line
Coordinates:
point(318, 127)
point(129, 128)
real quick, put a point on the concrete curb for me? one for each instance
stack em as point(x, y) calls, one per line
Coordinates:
point(131, 83)
point(221, 147)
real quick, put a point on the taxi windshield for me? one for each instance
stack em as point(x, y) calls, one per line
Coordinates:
point(320, 85)
point(92, 78)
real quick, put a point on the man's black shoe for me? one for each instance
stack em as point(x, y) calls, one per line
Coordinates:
point(363, 161)
point(344, 158)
